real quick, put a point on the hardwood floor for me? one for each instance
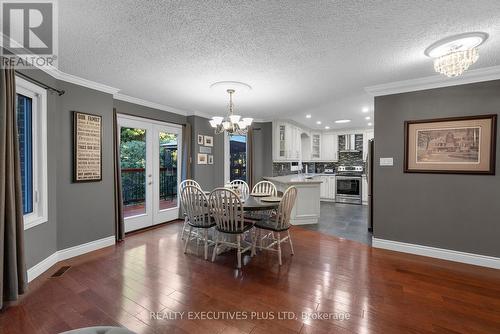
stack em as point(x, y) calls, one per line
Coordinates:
point(381, 291)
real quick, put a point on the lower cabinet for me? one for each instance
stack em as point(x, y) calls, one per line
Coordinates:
point(364, 190)
point(327, 188)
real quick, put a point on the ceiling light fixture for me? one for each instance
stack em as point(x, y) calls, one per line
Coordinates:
point(308, 116)
point(370, 124)
point(453, 55)
point(327, 128)
point(318, 122)
point(367, 118)
point(365, 109)
point(342, 121)
point(233, 124)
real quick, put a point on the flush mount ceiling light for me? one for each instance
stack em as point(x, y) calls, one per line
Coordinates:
point(327, 128)
point(339, 121)
point(308, 116)
point(370, 124)
point(367, 118)
point(453, 55)
point(365, 109)
point(233, 124)
point(318, 122)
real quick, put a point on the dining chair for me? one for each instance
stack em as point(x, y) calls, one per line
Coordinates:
point(182, 185)
point(265, 187)
point(242, 187)
point(227, 210)
point(278, 225)
point(198, 214)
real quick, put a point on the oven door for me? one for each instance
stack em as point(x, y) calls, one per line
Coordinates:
point(348, 189)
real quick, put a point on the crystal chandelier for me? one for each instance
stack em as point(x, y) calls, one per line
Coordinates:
point(453, 55)
point(232, 124)
point(455, 63)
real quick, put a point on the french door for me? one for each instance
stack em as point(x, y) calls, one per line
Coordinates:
point(150, 157)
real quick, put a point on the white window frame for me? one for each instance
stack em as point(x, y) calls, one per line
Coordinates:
point(39, 137)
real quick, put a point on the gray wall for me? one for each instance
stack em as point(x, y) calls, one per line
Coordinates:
point(209, 176)
point(457, 212)
point(263, 150)
point(85, 210)
point(142, 111)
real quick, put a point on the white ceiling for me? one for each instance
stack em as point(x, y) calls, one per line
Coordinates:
point(299, 56)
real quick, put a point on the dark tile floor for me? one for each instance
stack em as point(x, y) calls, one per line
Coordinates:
point(343, 220)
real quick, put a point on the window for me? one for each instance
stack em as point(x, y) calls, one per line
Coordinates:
point(31, 111)
point(237, 157)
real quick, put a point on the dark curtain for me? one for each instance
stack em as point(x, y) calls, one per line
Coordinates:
point(186, 152)
point(12, 264)
point(119, 225)
point(250, 178)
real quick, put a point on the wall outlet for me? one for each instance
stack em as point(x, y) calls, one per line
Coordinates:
point(386, 161)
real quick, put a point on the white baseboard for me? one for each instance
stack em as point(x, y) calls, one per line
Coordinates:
point(68, 253)
point(440, 253)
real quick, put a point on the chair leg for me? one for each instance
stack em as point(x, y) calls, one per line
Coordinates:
point(216, 245)
point(279, 248)
point(290, 241)
point(238, 254)
point(253, 239)
point(187, 240)
point(260, 239)
point(184, 228)
point(206, 244)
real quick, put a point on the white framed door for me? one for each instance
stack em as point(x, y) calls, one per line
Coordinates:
point(150, 157)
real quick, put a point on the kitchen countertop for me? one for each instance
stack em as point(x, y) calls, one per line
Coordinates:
point(293, 179)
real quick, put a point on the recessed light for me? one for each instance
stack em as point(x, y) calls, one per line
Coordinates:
point(308, 116)
point(327, 127)
point(367, 118)
point(370, 124)
point(342, 121)
point(318, 122)
point(365, 109)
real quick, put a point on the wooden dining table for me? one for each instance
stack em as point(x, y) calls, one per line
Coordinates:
point(252, 203)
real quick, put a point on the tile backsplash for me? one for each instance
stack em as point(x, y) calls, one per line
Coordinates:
point(345, 159)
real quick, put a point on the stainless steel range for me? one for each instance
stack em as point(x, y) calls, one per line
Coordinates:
point(349, 181)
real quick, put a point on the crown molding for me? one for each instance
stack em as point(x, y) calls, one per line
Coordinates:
point(149, 104)
point(435, 81)
point(60, 75)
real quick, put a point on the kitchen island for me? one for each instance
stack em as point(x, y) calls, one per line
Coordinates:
point(307, 205)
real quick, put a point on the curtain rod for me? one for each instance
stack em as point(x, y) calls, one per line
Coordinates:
point(41, 84)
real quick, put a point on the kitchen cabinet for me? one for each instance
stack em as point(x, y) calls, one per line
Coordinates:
point(367, 136)
point(315, 146)
point(286, 142)
point(329, 147)
point(364, 190)
point(327, 187)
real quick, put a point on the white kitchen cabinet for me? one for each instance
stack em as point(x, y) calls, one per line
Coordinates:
point(329, 147)
point(366, 137)
point(364, 190)
point(327, 187)
point(315, 146)
point(286, 142)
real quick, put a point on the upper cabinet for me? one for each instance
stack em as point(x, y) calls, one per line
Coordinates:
point(367, 136)
point(329, 147)
point(286, 141)
point(316, 146)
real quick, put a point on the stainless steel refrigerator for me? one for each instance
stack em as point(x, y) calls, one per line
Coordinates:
point(370, 164)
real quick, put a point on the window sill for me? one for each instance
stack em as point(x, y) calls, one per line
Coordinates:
point(32, 222)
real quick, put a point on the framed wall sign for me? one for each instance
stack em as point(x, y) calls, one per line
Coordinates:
point(87, 147)
point(460, 145)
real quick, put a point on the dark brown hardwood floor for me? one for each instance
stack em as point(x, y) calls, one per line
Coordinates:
point(381, 291)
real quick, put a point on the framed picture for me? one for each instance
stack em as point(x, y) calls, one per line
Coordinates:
point(202, 159)
point(209, 141)
point(200, 140)
point(210, 159)
point(460, 145)
point(87, 147)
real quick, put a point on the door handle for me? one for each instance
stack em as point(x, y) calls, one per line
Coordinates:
point(150, 183)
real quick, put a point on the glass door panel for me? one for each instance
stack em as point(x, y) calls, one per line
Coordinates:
point(168, 170)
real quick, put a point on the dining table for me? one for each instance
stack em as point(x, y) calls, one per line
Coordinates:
point(253, 203)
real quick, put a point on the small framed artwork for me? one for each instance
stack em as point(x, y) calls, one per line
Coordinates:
point(210, 159)
point(202, 159)
point(87, 147)
point(460, 145)
point(200, 140)
point(209, 141)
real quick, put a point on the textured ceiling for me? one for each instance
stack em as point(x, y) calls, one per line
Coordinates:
point(300, 56)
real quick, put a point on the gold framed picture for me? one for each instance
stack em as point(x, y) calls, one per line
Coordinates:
point(460, 145)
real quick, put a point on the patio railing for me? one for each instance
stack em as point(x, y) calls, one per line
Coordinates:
point(134, 184)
